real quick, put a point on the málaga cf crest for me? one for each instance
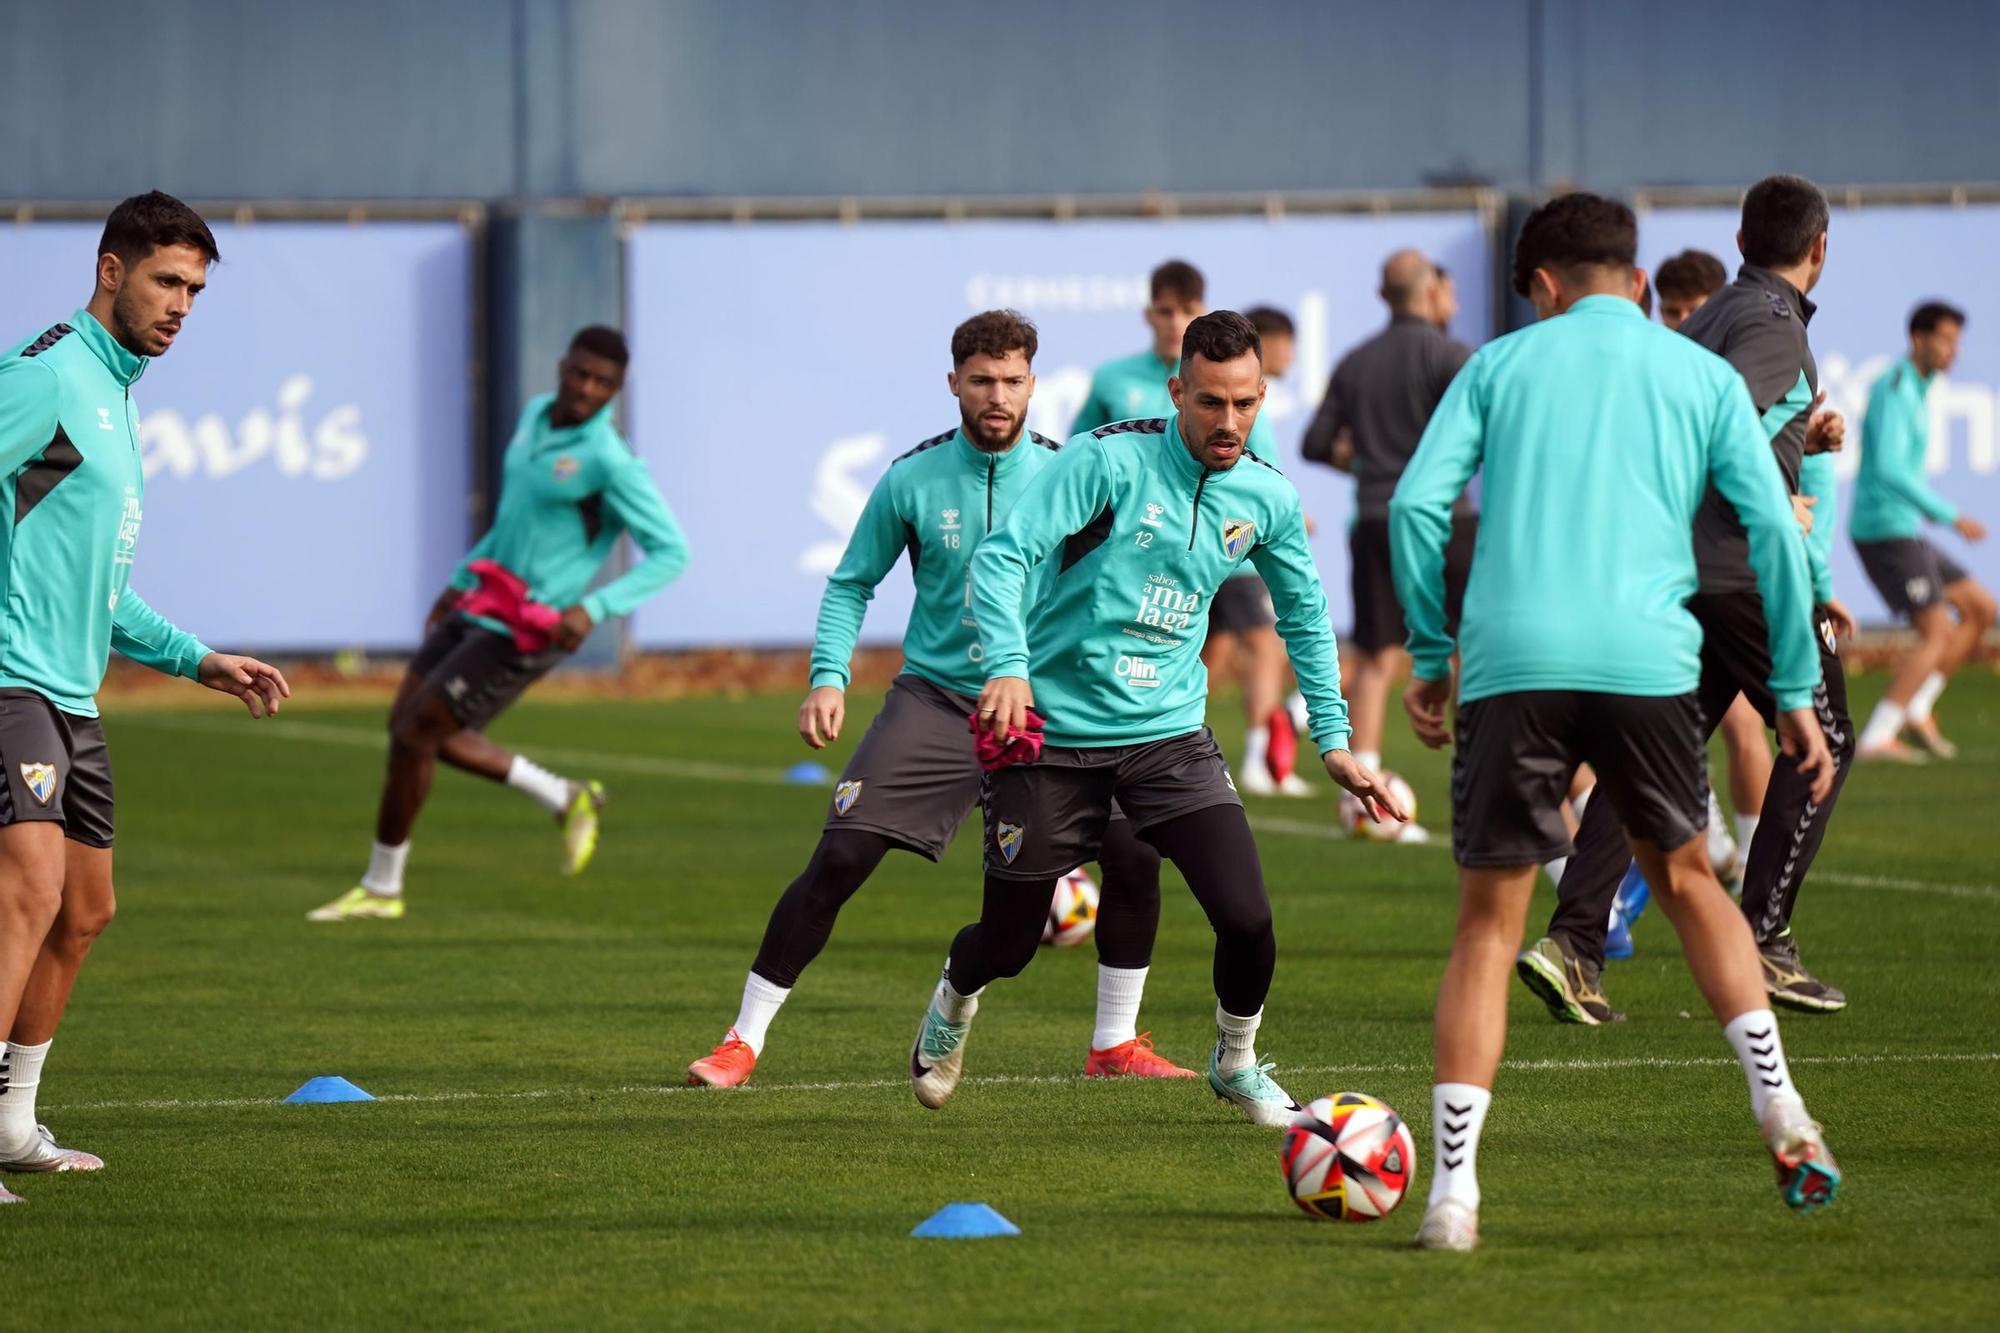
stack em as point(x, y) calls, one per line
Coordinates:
point(845, 795)
point(1236, 535)
point(41, 780)
point(1008, 840)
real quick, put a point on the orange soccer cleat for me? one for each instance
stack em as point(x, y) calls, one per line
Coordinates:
point(724, 1067)
point(1133, 1059)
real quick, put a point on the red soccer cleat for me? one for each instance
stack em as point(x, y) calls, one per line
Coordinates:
point(724, 1067)
point(1133, 1059)
point(1281, 751)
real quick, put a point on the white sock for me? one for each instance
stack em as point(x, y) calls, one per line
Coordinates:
point(1555, 869)
point(384, 877)
point(954, 1007)
point(1458, 1114)
point(1754, 1034)
point(1746, 831)
point(1926, 697)
point(1119, 990)
point(549, 790)
point(1719, 848)
point(20, 1075)
point(1236, 1039)
point(1883, 724)
point(1369, 759)
point(1256, 747)
point(761, 1001)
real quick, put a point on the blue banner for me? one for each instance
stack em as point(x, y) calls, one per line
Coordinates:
point(1881, 263)
point(307, 439)
point(779, 367)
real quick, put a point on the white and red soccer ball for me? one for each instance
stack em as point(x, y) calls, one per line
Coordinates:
point(1072, 911)
point(1357, 823)
point(1348, 1157)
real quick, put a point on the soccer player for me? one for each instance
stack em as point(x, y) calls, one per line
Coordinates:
point(571, 487)
point(1685, 282)
point(1377, 402)
point(1892, 498)
point(1758, 324)
point(1136, 385)
point(74, 496)
point(915, 775)
point(1597, 434)
point(1141, 521)
point(1242, 628)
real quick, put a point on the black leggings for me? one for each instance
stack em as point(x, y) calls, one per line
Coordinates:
point(1212, 849)
point(1128, 911)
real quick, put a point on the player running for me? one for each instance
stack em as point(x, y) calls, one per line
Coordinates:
point(915, 775)
point(1758, 324)
point(1892, 498)
point(1242, 625)
point(1597, 435)
point(1138, 523)
point(571, 487)
point(1377, 402)
point(74, 495)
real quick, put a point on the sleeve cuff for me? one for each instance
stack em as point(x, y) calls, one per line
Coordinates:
point(1431, 668)
point(191, 660)
point(1787, 700)
point(462, 579)
point(1015, 666)
point(1333, 740)
point(827, 676)
point(599, 612)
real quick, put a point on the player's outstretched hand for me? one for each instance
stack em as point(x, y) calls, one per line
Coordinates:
point(573, 628)
point(1842, 618)
point(1425, 702)
point(1367, 785)
point(1969, 528)
point(258, 684)
point(820, 716)
point(1800, 737)
point(1003, 706)
point(1802, 512)
point(1826, 429)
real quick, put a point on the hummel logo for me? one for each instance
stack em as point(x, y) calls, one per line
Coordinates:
point(104, 418)
point(1152, 515)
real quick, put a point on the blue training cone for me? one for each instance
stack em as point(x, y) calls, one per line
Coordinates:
point(965, 1221)
point(808, 774)
point(328, 1088)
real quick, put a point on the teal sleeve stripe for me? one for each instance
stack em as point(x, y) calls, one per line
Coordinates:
point(872, 548)
point(1304, 624)
point(1062, 499)
point(636, 503)
point(1420, 518)
point(1739, 462)
point(1780, 414)
point(150, 639)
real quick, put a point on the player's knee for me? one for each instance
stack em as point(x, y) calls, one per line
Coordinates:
point(1246, 919)
point(419, 725)
point(33, 900)
point(1980, 608)
point(79, 925)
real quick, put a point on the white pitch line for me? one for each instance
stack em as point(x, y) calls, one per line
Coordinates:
point(669, 766)
point(1577, 1065)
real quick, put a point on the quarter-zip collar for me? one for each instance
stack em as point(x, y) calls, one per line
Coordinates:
point(552, 434)
point(982, 461)
point(1756, 276)
point(125, 365)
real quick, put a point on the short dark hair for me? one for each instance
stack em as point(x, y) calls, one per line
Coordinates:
point(994, 333)
point(1926, 317)
point(1220, 335)
point(1690, 273)
point(1646, 298)
point(598, 340)
point(1575, 231)
point(1782, 217)
point(1268, 319)
point(145, 222)
point(1181, 278)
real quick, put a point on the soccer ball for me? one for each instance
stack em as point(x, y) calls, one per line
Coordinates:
point(1355, 820)
point(1072, 912)
point(1348, 1157)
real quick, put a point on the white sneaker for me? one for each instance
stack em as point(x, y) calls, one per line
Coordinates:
point(8, 1196)
point(937, 1057)
point(1449, 1225)
point(1256, 780)
point(43, 1154)
point(1294, 785)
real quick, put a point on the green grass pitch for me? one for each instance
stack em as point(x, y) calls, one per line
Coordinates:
point(526, 1167)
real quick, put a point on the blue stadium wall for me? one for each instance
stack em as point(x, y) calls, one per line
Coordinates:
point(541, 99)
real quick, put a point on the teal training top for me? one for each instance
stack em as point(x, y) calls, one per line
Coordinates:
point(1892, 496)
point(73, 496)
point(1598, 432)
point(936, 502)
point(1140, 536)
point(1131, 386)
point(566, 496)
point(1816, 479)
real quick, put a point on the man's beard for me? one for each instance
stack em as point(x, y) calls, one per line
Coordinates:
point(124, 328)
point(976, 430)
